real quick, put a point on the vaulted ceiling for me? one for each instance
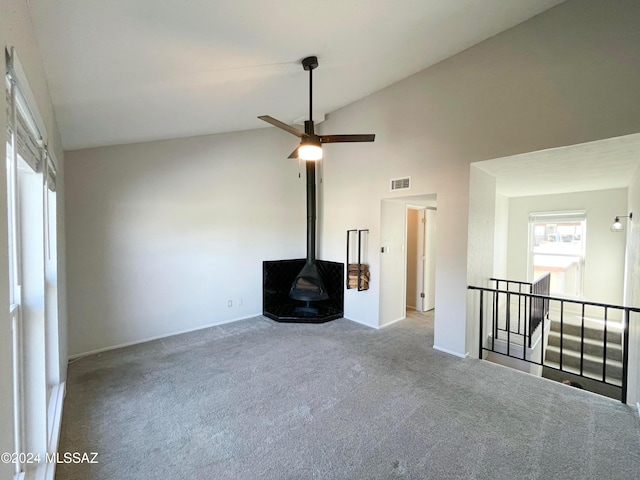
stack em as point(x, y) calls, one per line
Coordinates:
point(124, 71)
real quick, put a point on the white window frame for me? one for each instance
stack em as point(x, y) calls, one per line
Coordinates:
point(37, 369)
point(559, 217)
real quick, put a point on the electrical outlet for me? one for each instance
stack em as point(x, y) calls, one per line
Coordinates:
point(230, 303)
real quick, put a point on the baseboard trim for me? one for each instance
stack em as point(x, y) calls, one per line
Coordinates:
point(360, 323)
point(76, 356)
point(392, 322)
point(451, 352)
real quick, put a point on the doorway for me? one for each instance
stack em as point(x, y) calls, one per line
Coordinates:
point(420, 258)
point(393, 256)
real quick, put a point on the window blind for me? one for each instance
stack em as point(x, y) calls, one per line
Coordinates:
point(558, 217)
point(29, 135)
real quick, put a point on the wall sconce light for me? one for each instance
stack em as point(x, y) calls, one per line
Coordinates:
point(617, 225)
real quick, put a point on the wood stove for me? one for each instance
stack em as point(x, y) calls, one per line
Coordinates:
point(277, 304)
point(308, 290)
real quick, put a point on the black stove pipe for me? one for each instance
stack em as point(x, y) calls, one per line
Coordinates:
point(311, 212)
point(308, 285)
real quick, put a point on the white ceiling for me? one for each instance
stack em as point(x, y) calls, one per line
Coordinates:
point(598, 165)
point(123, 71)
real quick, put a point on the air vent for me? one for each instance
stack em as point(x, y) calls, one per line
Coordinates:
point(401, 183)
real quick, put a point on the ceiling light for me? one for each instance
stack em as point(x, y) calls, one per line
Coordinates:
point(310, 149)
point(617, 224)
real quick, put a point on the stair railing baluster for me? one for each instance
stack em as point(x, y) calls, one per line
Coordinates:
point(530, 312)
point(604, 348)
point(542, 339)
point(625, 354)
point(481, 342)
point(519, 297)
point(527, 321)
point(582, 344)
point(524, 333)
point(561, 330)
point(508, 323)
point(493, 326)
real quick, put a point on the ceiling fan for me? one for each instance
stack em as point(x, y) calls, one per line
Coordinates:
point(310, 147)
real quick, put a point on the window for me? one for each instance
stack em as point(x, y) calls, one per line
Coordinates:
point(31, 216)
point(557, 245)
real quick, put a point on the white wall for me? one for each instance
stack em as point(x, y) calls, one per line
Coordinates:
point(501, 237)
point(548, 82)
point(604, 264)
point(632, 291)
point(482, 221)
point(16, 30)
point(161, 235)
point(392, 288)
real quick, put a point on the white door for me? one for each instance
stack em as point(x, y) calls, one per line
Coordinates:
point(429, 256)
point(420, 261)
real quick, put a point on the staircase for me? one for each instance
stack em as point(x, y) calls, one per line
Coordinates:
point(594, 370)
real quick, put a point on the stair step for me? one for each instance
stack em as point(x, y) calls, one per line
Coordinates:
point(576, 371)
point(614, 333)
point(595, 386)
point(592, 366)
point(591, 347)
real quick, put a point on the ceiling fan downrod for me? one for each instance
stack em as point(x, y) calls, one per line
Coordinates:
point(310, 64)
point(310, 148)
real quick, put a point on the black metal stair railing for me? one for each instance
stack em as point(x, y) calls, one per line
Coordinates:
point(586, 339)
point(530, 313)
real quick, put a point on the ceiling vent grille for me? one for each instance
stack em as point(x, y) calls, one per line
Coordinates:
point(401, 183)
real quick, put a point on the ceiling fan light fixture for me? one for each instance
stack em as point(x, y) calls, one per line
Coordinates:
point(310, 150)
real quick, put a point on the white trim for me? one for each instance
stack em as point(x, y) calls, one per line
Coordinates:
point(361, 323)
point(451, 352)
point(55, 409)
point(638, 405)
point(158, 337)
point(392, 322)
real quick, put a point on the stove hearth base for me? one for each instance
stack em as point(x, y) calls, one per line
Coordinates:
point(277, 279)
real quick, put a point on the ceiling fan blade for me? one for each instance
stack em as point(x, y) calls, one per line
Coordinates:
point(347, 138)
point(294, 154)
point(283, 126)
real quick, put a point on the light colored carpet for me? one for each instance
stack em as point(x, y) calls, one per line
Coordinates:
point(260, 400)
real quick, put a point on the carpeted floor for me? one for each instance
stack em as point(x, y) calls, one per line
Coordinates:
point(260, 400)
